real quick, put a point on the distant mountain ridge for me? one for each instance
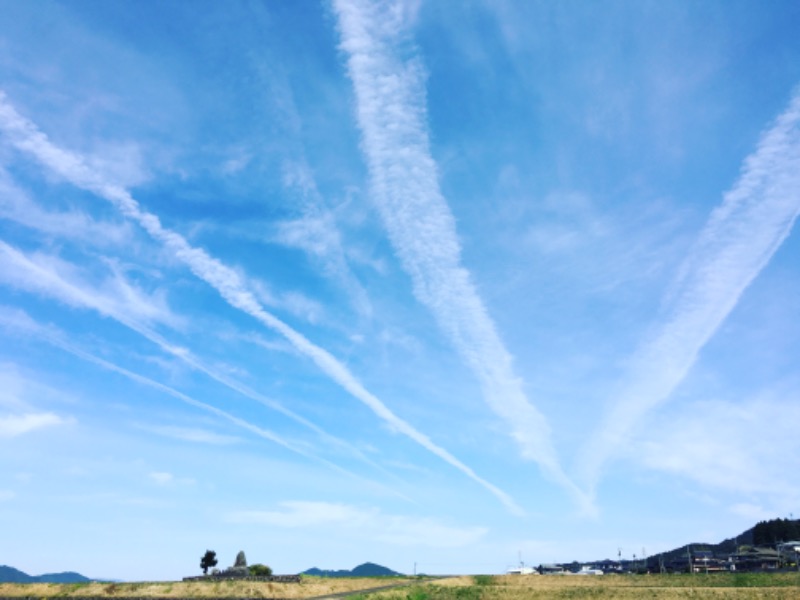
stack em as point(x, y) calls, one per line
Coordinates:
point(366, 570)
point(12, 575)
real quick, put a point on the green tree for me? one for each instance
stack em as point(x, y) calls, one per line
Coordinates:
point(208, 560)
point(259, 570)
point(766, 533)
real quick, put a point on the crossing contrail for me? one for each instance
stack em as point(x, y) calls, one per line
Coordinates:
point(19, 321)
point(230, 284)
point(25, 272)
point(391, 113)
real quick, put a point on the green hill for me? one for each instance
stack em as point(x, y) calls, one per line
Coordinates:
point(12, 575)
point(366, 570)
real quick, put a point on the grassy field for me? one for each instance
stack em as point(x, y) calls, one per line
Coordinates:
point(744, 586)
point(780, 586)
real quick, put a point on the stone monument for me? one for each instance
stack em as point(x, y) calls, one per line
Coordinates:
point(239, 568)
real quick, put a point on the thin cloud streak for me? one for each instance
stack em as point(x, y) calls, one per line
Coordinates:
point(391, 113)
point(26, 137)
point(705, 445)
point(315, 231)
point(354, 521)
point(738, 241)
point(20, 322)
point(188, 434)
point(40, 275)
point(16, 425)
point(317, 234)
point(116, 298)
point(16, 206)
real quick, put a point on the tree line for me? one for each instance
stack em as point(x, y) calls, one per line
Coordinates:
point(768, 533)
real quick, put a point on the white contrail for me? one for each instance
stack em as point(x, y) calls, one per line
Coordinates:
point(741, 236)
point(19, 321)
point(26, 137)
point(391, 113)
point(21, 271)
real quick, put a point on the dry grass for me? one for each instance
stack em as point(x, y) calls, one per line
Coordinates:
point(669, 587)
point(784, 586)
point(307, 588)
point(461, 581)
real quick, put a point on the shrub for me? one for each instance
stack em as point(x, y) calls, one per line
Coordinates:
point(417, 594)
point(259, 570)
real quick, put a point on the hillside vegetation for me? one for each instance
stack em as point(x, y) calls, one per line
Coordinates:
point(763, 533)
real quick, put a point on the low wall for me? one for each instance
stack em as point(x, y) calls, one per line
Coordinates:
point(228, 576)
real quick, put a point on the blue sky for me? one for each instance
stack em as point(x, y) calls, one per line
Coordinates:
point(405, 282)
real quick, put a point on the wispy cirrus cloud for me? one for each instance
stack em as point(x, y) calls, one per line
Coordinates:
point(23, 392)
point(51, 276)
point(314, 229)
point(295, 302)
point(113, 296)
point(391, 111)
point(17, 206)
point(228, 282)
point(738, 447)
point(738, 241)
point(317, 233)
point(192, 434)
point(19, 322)
point(24, 409)
point(161, 477)
point(20, 424)
point(358, 521)
point(165, 478)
